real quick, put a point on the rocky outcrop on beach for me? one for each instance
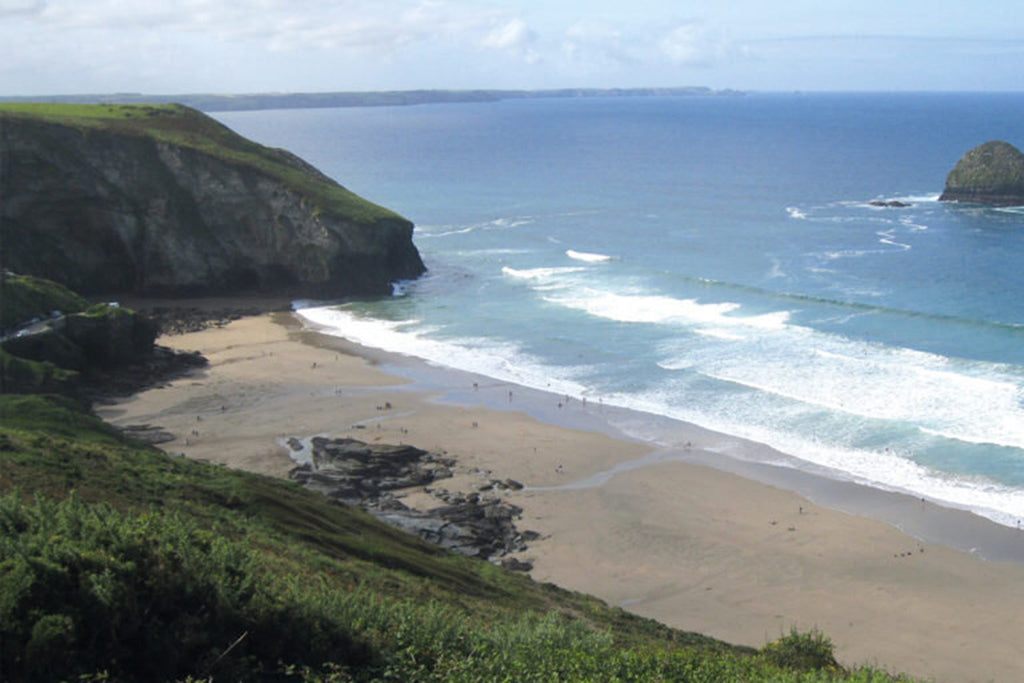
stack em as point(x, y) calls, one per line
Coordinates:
point(54, 341)
point(992, 173)
point(372, 475)
point(103, 337)
point(165, 201)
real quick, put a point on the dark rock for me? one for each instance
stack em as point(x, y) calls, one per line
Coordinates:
point(992, 173)
point(148, 433)
point(111, 336)
point(516, 565)
point(180, 319)
point(159, 366)
point(364, 474)
point(889, 203)
point(104, 337)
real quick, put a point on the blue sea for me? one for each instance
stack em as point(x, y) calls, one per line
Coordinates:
point(714, 260)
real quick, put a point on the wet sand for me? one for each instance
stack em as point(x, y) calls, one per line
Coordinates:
point(659, 533)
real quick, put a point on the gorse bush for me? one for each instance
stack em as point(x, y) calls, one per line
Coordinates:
point(88, 588)
point(801, 651)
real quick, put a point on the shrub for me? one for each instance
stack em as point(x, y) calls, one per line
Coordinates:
point(148, 597)
point(801, 651)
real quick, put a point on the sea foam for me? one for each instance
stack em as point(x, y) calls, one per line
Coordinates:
point(503, 361)
point(587, 257)
point(878, 468)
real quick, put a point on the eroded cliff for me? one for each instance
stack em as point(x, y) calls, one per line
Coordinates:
point(166, 201)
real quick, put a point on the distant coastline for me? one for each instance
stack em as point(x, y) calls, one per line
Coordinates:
point(388, 98)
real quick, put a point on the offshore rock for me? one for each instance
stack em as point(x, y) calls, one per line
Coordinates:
point(992, 173)
point(165, 201)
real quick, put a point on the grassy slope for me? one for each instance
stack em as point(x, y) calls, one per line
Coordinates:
point(180, 125)
point(321, 591)
point(26, 297)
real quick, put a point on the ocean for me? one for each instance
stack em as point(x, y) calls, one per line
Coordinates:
point(714, 260)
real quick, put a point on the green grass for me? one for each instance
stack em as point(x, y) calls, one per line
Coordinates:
point(179, 125)
point(118, 562)
point(33, 376)
point(26, 297)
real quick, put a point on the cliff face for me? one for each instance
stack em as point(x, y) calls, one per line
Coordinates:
point(992, 173)
point(165, 201)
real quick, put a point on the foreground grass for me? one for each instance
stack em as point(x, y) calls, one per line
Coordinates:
point(118, 562)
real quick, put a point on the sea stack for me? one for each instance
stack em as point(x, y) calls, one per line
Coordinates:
point(992, 173)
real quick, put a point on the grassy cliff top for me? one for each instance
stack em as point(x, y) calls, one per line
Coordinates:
point(179, 125)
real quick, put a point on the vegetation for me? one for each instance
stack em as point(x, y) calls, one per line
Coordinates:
point(118, 562)
point(32, 376)
point(61, 349)
point(26, 297)
point(992, 173)
point(179, 125)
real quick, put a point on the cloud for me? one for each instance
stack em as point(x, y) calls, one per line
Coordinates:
point(595, 42)
point(510, 35)
point(693, 43)
point(680, 42)
point(14, 8)
point(513, 37)
point(287, 25)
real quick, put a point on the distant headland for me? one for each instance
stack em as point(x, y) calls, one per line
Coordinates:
point(385, 98)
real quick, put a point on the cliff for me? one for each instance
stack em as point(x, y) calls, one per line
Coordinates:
point(992, 173)
point(163, 200)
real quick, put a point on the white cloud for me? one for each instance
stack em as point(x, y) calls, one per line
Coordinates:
point(21, 7)
point(595, 42)
point(687, 43)
point(512, 34)
point(693, 43)
point(513, 37)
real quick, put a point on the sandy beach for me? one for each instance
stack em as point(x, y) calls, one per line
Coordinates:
point(690, 545)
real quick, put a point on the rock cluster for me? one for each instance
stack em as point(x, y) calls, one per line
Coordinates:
point(368, 475)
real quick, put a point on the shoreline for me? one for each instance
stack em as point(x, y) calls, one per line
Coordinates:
point(924, 520)
point(692, 545)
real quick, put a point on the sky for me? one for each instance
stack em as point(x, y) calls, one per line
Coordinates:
point(52, 47)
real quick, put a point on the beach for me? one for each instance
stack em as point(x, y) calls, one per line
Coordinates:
point(662, 535)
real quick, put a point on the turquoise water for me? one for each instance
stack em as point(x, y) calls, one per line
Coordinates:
point(714, 260)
